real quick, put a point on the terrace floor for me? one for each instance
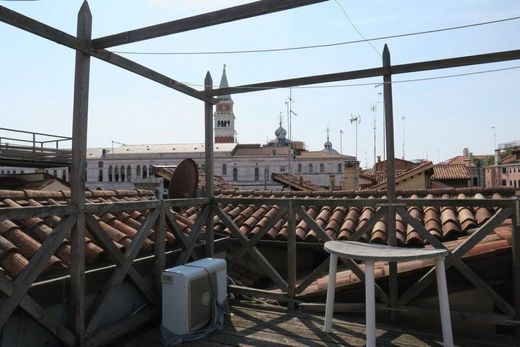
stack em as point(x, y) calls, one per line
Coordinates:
point(267, 325)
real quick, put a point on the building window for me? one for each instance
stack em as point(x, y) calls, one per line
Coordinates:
point(504, 182)
point(224, 169)
point(128, 173)
point(340, 168)
point(322, 167)
point(150, 171)
point(299, 167)
point(235, 174)
point(100, 164)
point(510, 183)
point(116, 173)
point(100, 175)
point(504, 170)
point(145, 171)
point(311, 168)
point(55, 173)
point(282, 168)
point(266, 174)
point(257, 174)
point(2, 172)
point(110, 174)
point(63, 175)
point(138, 171)
point(123, 176)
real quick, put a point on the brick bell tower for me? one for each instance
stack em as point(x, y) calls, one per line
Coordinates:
point(224, 117)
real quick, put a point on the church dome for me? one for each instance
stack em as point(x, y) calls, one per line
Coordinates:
point(280, 132)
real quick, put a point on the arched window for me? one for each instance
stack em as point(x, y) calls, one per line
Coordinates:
point(150, 171)
point(128, 173)
point(340, 168)
point(299, 167)
point(311, 168)
point(145, 171)
point(100, 176)
point(322, 167)
point(138, 171)
point(63, 175)
point(224, 169)
point(257, 174)
point(116, 173)
point(55, 173)
point(123, 174)
point(235, 174)
point(110, 177)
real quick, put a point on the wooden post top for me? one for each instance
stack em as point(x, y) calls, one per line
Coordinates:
point(376, 252)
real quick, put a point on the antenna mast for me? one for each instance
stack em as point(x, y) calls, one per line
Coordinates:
point(403, 118)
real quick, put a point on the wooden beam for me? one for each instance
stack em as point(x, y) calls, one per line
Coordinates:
point(160, 248)
point(374, 72)
point(32, 211)
point(313, 276)
point(253, 9)
point(113, 207)
point(28, 24)
point(78, 173)
point(210, 164)
point(35, 267)
point(194, 235)
point(516, 263)
point(262, 293)
point(291, 254)
point(176, 230)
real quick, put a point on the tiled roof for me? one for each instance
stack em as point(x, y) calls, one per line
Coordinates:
point(446, 223)
point(450, 172)
point(297, 183)
point(159, 148)
point(20, 239)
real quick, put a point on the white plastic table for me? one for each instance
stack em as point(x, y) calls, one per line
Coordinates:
point(370, 253)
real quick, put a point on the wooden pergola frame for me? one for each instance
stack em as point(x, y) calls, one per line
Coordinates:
point(78, 215)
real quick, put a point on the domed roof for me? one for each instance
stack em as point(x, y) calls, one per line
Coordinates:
point(280, 132)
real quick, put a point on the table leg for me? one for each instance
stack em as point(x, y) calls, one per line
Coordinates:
point(444, 305)
point(370, 308)
point(331, 288)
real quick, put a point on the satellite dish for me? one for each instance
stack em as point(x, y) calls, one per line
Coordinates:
point(184, 180)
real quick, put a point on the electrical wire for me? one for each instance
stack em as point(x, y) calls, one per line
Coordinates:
point(341, 43)
point(355, 27)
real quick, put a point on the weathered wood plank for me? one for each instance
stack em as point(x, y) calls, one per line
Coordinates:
point(114, 207)
point(119, 274)
point(180, 237)
point(257, 8)
point(36, 265)
point(78, 172)
point(159, 248)
point(516, 262)
point(291, 254)
point(117, 257)
point(374, 72)
point(254, 240)
point(260, 259)
point(186, 202)
point(261, 293)
point(30, 211)
point(202, 217)
point(38, 313)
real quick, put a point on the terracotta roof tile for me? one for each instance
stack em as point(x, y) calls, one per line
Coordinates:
point(450, 172)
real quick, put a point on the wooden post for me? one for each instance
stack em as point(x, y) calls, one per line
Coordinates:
point(79, 161)
point(516, 263)
point(160, 246)
point(291, 254)
point(208, 123)
point(390, 178)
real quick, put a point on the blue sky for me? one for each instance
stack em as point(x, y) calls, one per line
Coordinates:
point(441, 116)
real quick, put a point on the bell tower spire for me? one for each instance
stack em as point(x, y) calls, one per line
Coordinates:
point(224, 116)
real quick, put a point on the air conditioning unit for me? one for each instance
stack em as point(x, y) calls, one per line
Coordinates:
point(189, 292)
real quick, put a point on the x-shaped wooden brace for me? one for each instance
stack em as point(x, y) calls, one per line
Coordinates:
point(253, 251)
point(188, 243)
point(455, 258)
point(124, 267)
point(349, 263)
point(17, 291)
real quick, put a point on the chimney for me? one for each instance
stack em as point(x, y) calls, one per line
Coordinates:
point(497, 156)
point(378, 158)
point(465, 152)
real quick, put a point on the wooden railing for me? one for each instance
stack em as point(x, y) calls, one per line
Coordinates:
point(21, 146)
point(159, 213)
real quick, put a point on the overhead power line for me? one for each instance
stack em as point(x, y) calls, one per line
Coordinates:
point(341, 43)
